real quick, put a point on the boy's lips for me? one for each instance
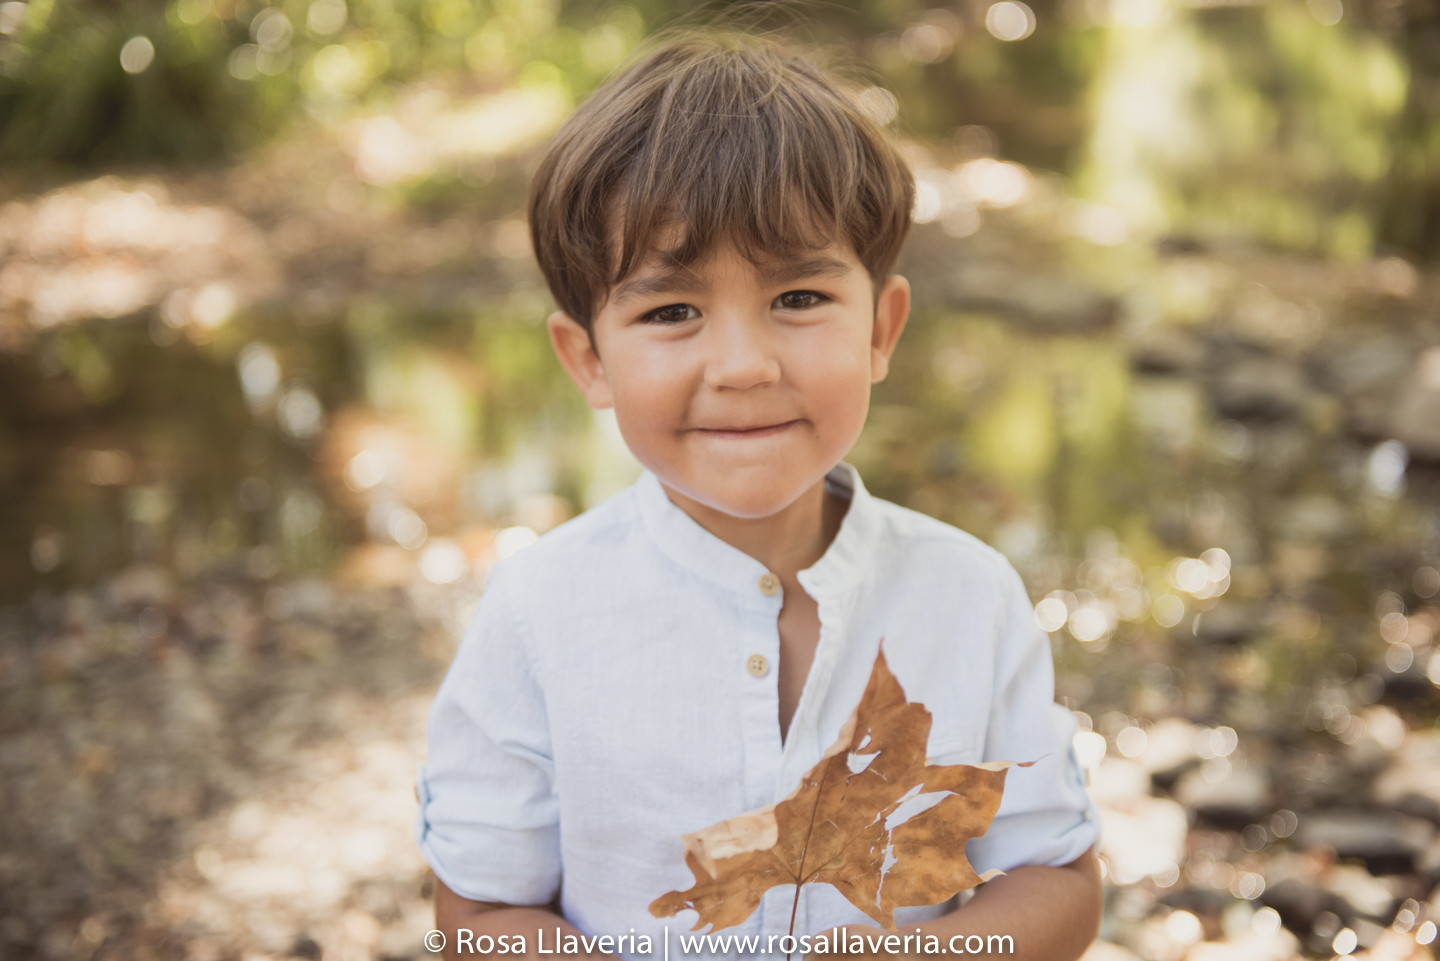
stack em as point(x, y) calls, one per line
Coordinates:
point(738, 432)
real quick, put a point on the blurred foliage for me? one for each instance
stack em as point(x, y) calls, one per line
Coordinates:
point(1262, 122)
point(66, 98)
point(220, 75)
point(1308, 125)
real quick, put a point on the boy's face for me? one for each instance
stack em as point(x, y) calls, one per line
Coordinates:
point(739, 385)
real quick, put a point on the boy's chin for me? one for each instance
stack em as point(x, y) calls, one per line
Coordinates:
point(765, 501)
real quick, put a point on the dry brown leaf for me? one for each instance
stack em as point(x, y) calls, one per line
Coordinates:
point(834, 827)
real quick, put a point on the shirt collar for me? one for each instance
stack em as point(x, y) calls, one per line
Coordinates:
point(844, 564)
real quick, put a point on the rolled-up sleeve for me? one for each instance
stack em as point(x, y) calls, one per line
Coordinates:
point(1046, 815)
point(488, 818)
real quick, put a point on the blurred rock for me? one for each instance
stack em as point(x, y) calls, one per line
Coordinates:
point(1413, 420)
point(1294, 890)
point(1169, 748)
point(1117, 782)
point(1142, 838)
point(1298, 901)
point(1239, 797)
point(306, 947)
point(1282, 448)
point(1365, 894)
point(1202, 900)
point(1383, 839)
point(1429, 864)
point(1049, 302)
point(1167, 350)
point(255, 794)
point(1358, 366)
point(1255, 386)
point(1411, 782)
point(1228, 623)
point(1364, 373)
point(308, 597)
point(1384, 733)
point(1396, 946)
point(1316, 517)
point(139, 585)
point(1280, 946)
point(1105, 951)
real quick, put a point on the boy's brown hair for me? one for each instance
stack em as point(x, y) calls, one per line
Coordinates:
point(708, 139)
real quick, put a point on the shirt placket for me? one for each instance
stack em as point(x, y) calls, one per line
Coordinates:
point(758, 660)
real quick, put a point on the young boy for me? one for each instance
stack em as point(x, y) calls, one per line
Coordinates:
point(718, 224)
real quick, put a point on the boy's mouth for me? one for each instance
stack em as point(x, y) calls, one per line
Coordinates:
point(738, 431)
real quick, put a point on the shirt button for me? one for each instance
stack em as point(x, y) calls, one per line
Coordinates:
point(757, 665)
point(769, 584)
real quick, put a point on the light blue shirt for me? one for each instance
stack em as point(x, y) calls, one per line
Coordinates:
point(608, 698)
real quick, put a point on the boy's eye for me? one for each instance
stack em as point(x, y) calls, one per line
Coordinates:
point(799, 299)
point(669, 314)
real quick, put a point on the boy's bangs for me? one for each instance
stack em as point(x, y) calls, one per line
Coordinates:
point(773, 170)
point(720, 205)
point(684, 242)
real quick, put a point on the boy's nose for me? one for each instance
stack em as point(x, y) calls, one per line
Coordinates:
point(740, 355)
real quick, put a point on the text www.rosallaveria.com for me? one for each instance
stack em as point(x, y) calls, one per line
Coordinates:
point(746, 945)
point(841, 943)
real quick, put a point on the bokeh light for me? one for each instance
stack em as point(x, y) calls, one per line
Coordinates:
point(12, 15)
point(137, 55)
point(326, 18)
point(879, 104)
point(1010, 20)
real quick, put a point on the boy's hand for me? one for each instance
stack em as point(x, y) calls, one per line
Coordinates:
point(480, 918)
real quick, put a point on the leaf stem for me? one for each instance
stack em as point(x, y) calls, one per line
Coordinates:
point(793, 906)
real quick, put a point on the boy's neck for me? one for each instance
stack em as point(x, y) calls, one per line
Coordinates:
point(785, 542)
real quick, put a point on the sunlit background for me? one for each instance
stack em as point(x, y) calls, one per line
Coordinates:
point(275, 393)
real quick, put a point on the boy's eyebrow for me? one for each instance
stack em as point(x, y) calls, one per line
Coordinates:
point(657, 282)
point(788, 270)
point(679, 279)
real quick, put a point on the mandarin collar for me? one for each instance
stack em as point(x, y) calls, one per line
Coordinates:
point(843, 565)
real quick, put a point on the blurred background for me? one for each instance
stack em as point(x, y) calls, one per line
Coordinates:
point(275, 393)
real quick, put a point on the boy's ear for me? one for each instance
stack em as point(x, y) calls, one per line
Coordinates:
point(577, 355)
point(892, 309)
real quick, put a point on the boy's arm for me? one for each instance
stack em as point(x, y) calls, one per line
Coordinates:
point(1049, 913)
point(488, 816)
point(455, 915)
point(1032, 913)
